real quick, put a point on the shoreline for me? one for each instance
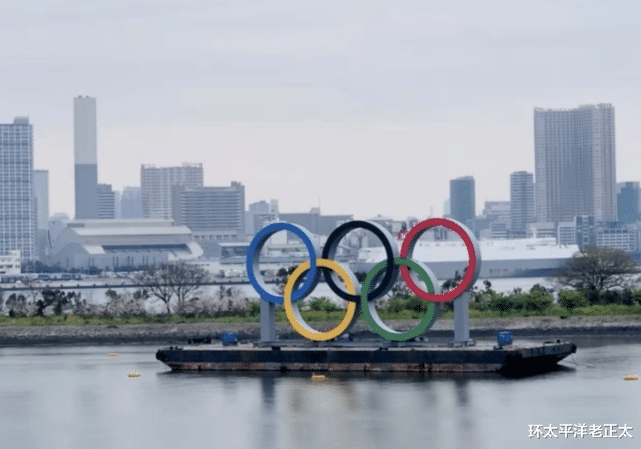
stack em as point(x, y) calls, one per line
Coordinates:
point(179, 334)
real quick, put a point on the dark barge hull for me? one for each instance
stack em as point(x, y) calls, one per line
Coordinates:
point(418, 357)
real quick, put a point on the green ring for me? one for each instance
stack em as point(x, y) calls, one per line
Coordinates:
point(370, 315)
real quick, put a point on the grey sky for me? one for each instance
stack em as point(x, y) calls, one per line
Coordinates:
point(371, 106)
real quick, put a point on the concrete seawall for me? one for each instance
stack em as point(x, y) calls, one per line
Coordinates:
point(180, 333)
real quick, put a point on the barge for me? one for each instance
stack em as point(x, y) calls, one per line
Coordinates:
point(367, 357)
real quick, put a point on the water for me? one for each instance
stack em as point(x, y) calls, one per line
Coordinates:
point(79, 397)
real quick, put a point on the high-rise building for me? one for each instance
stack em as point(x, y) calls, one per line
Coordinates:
point(463, 201)
point(211, 213)
point(521, 203)
point(315, 222)
point(106, 202)
point(575, 163)
point(17, 200)
point(156, 185)
point(131, 203)
point(118, 204)
point(257, 209)
point(585, 231)
point(497, 214)
point(628, 202)
point(85, 157)
point(41, 192)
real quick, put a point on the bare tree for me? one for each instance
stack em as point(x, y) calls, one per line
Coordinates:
point(598, 269)
point(186, 280)
point(170, 280)
point(157, 282)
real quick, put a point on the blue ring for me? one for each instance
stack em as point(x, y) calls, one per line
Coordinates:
point(253, 259)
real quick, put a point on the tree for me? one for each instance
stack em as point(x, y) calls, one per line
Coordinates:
point(282, 276)
point(157, 281)
point(168, 280)
point(124, 304)
point(55, 301)
point(451, 284)
point(186, 280)
point(17, 305)
point(598, 269)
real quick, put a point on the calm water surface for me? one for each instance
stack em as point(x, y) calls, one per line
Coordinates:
point(79, 397)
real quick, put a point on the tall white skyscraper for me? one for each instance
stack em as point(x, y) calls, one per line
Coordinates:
point(85, 157)
point(521, 203)
point(17, 200)
point(575, 163)
point(156, 186)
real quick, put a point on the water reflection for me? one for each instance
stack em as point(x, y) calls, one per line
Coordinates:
point(267, 435)
point(79, 398)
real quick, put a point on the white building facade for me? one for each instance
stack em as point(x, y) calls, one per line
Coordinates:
point(119, 244)
point(18, 204)
point(575, 163)
point(156, 187)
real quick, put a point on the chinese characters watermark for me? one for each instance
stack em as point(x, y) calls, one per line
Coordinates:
point(540, 431)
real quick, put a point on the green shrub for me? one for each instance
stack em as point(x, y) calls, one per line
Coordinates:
point(254, 308)
point(592, 296)
point(609, 297)
point(394, 306)
point(323, 305)
point(536, 301)
point(501, 302)
point(412, 304)
point(571, 299)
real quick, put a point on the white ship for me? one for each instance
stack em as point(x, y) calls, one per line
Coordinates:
point(500, 258)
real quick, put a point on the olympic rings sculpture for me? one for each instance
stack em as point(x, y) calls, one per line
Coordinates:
point(379, 280)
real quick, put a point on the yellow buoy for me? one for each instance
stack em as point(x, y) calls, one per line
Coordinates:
point(133, 374)
point(112, 354)
point(631, 377)
point(318, 377)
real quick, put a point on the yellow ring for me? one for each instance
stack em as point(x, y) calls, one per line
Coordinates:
point(293, 313)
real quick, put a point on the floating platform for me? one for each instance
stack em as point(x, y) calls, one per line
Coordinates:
point(367, 357)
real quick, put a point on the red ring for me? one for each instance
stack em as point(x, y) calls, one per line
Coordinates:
point(408, 246)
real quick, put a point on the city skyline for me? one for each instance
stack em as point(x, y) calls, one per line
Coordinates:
point(184, 164)
point(442, 90)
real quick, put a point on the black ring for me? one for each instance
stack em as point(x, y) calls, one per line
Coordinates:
point(391, 249)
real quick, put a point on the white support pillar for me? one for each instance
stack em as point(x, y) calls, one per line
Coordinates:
point(462, 320)
point(267, 321)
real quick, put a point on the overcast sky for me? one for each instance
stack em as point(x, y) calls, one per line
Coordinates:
point(368, 107)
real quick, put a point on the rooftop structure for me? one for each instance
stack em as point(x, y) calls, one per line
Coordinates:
point(111, 244)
